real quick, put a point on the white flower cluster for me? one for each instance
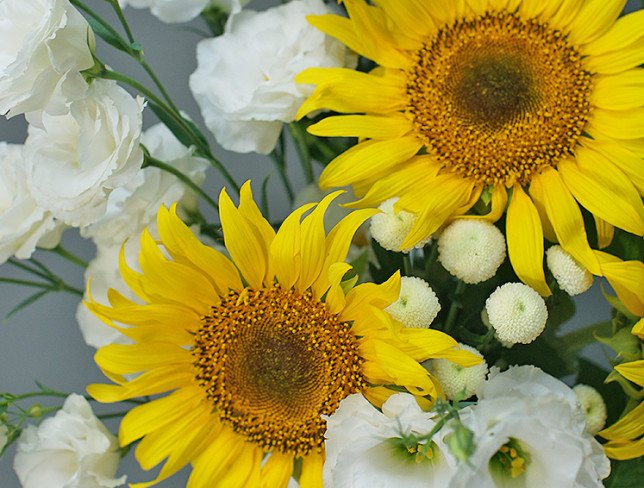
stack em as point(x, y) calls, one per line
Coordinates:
point(471, 250)
point(593, 406)
point(246, 103)
point(526, 430)
point(570, 275)
point(417, 305)
point(390, 227)
point(517, 313)
point(72, 449)
point(458, 381)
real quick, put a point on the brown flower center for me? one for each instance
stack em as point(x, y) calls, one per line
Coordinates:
point(272, 362)
point(498, 98)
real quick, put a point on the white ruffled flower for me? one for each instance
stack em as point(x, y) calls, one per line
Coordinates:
point(244, 82)
point(170, 11)
point(517, 313)
point(76, 159)
point(364, 447)
point(529, 432)
point(417, 305)
point(593, 407)
point(570, 275)
point(23, 223)
point(472, 250)
point(389, 227)
point(134, 206)
point(43, 46)
point(103, 271)
point(73, 449)
point(457, 380)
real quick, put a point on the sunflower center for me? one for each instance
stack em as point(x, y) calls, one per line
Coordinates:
point(498, 98)
point(272, 362)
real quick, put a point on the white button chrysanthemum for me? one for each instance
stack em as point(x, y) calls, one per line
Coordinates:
point(456, 379)
point(517, 313)
point(417, 306)
point(389, 228)
point(570, 275)
point(471, 250)
point(593, 406)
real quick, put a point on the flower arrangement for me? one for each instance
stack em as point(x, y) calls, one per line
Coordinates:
point(465, 168)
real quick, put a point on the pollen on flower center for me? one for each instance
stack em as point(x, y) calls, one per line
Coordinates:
point(272, 362)
point(498, 98)
point(511, 459)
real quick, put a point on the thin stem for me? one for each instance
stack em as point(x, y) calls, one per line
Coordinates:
point(158, 83)
point(29, 269)
point(408, 266)
point(119, 14)
point(303, 151)
point(15, 281)
point(72, 258)
point(280, 163)
point(454, 306)
point(150, 161)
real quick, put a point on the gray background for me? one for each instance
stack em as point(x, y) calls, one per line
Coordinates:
point(43, 342)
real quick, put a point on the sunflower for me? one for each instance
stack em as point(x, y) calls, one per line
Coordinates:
point(255, 349)
point(533, 105)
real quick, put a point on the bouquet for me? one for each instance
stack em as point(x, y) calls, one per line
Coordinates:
point(454, 172)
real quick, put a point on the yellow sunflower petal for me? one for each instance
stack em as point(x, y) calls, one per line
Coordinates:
point(334, 299)
point(624, 32)
point(243, 242)
point(216, 460)
point(365, 158)
point(630, 426)
point(605, 232)
point(362, 126)
point(565, 217)
point(345, 90)
point(594, 19)
point(619, 92)
point(410, 16)
point(498, 205)
point(311, 476)
point(423, 344)
point(249, 209)
point(159, 380)
point(638, 329)
point(624, 450)
point(277, 470)
point(133, 358)
point(285, 251)
point(626, 278)
point(380, 295)
point(618, 60)
point(627, 161)
point(244, 472)
point(185, 247)
point(524, 235)
point(632, 371)
point(565, 13)
point(618, 204)
point(618, 124)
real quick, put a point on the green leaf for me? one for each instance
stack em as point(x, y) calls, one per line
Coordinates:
point(626, 474)
point(181, 133)
point(106, 32)
point(25, 303)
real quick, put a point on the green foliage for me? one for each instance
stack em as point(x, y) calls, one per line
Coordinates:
point(626, 474)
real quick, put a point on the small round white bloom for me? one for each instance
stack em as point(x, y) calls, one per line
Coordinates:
point(73, 449)
point(23, 223)
point(389, 228)
point(134, 206)
point(570, 275)
point(517, 313)
point(417, 306)
point(364, 447)
point(41, 42)
point(593, 406)
point(456, 379)
point(244, 82)
point(472, 250)
point(74, 160)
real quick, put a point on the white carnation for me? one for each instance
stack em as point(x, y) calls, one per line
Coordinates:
point(134, 206)
point(389, 227)
point(517, 313)
point(76, 159)
point(244, 82)
point(170, 11)
point(529, 431)
point(73, 449)
point(41, 43)
point(472, 250)
point(570, 275)
point(23, 223)
point(593, 407)
point(417, 305)
point(457, 380)
point(364, 447)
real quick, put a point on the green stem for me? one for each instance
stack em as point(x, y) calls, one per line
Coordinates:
point(119, 14)
point(61, 251)
point(150, 161)
point(280, 164)
point(29, 269)
point(158, 83)
point(408, 266)
point(454, 306)
point(298, 136)
point(15, 281)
